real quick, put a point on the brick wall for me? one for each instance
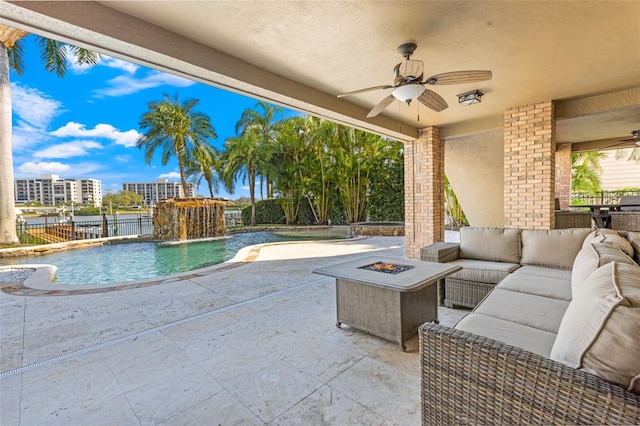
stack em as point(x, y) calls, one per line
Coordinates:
point(563, 175)
point(424, 191)
point(529, 166)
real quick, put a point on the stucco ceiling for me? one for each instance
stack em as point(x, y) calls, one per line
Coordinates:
point(302, 54)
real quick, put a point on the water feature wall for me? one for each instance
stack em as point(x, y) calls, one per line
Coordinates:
point(180, 219)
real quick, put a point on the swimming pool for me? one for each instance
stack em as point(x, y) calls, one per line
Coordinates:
point(130, 261)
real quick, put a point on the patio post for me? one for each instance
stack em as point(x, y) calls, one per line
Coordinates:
point(423, 191)
point(529, 166)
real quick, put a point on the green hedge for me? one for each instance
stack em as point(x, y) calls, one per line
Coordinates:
point(267, 212)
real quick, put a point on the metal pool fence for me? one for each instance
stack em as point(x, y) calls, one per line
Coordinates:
point(601, 197)
point(82, 230)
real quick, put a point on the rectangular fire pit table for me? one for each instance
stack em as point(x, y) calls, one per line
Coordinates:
point(390, 304)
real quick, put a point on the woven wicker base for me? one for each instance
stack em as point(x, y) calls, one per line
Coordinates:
point(625, 221)
point(471, 380)
point(573, 220)
point(464, 293)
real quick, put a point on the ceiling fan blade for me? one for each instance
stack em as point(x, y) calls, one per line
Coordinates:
point(381, 106)
point(432, 100)
point(368, 89)
point(459, 77)
point(411, 68)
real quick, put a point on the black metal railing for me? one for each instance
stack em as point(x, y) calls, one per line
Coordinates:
point(45, 233)
point(602, 197)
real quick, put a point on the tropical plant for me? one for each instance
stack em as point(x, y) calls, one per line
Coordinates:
point(177, 130)
point(290, 166)
point(452, 207)
point(355, 155)
point(240, 160)
point(203, 164)
point(386, 185)
point(585, 172)
point(322, 138)
point(263, 125)
point(55, 55)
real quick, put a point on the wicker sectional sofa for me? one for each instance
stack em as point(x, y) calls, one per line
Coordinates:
point(556, 339)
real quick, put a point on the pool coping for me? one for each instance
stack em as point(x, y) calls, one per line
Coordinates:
point(40, 283)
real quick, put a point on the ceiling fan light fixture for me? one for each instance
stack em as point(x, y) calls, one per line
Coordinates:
point(468, 98)
point(408, 92)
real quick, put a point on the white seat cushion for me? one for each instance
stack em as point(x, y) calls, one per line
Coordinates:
point(511, 333)
point(540, 271)
point(538, 285)
point(530, 310)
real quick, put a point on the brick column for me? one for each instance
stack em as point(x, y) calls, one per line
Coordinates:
point(529, 166)
point(563, 175)
point(423, 191)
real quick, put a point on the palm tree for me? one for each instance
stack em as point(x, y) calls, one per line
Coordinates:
point(585, 172)
point(203, 164)
point(177, 130)
point(240, 161)
point(54, 54)
point(264, 126)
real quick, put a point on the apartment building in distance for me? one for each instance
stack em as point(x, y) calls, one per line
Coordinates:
point(52, 190)
point(159, 190)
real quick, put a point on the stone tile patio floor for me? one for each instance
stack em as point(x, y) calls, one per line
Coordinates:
point(250, 343)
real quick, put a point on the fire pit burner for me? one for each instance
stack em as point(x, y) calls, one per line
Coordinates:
point(387, 268)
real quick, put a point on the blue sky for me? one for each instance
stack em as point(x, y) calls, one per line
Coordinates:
point(85, 125)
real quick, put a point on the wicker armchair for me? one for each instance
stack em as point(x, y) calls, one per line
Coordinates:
point(468, 379)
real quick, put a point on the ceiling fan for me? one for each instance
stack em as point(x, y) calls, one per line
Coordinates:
point(635, 138)
point(408, 84)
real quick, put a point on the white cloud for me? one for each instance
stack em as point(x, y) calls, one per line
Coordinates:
point(68, 149)
point(125, 85)
point(170, 175)
point(43, 168)
point(106, 61)
point(33, 106)
point(127, 139)
point(110, 62)
point(34, 111)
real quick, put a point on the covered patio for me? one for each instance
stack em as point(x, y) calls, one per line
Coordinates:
point(564, 79)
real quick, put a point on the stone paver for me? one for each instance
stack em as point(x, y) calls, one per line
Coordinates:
point(241, 343)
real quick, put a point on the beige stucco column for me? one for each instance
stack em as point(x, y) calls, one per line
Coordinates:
point(423, 191)
point(529, 166)
point(563, 175)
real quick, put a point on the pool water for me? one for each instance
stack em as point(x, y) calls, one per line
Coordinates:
point(129, 261)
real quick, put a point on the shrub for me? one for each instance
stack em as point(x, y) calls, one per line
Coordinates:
point(267, 212)
point(305, 214)
point(88, 211)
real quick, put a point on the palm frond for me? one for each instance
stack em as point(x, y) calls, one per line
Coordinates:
point(54, 55)
point(16, 57)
